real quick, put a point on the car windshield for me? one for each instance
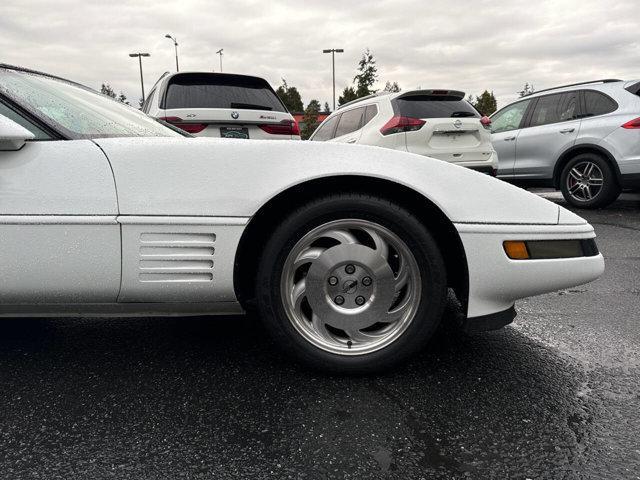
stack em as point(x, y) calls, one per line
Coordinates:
point(76, 111)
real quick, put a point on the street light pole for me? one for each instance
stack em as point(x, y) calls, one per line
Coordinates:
point(175, 45)
point(333, 52)
point(140, 55)
point(219, 52)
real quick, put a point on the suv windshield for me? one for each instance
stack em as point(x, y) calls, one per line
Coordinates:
point(433, 106)
point(76, 111)
point(218, 90)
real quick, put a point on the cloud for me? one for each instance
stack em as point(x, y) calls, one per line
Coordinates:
point(470, 46)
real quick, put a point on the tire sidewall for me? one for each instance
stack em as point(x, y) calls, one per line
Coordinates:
point(352, 206)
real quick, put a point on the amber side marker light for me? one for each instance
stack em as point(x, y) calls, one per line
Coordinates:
point(516, 249)
point(549, 249)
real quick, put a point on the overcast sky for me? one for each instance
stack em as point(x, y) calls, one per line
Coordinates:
point(467, 45)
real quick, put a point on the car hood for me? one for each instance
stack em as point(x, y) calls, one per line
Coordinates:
point(226, 177)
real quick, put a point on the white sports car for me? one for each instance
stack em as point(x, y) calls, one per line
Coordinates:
point(346, 252)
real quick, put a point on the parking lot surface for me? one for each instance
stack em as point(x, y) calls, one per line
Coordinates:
point(555, 395)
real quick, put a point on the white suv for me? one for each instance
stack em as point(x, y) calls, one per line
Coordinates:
point(221, 105)
point(435, 123)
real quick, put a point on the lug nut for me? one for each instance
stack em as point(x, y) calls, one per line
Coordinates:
point(350, 269)
point(360, 300)
point(333, 280)
point(339, 300)
point(366, 281)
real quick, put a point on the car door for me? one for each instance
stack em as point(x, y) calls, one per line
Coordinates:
point(349, 126)
point(505, 128)
point(551, 128)
point(60, 243)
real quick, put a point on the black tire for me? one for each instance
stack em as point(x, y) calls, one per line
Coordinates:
point(351, 206)
point(606, 195)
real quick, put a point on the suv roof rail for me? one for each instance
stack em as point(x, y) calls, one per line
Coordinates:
point(367, 97)
point(604, 80)
point(357, 100)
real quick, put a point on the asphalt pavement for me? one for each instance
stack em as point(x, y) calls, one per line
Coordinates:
point(555, 395)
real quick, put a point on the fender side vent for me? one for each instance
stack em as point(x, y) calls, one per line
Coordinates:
point(176, 257)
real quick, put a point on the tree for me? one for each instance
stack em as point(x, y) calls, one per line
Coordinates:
point(310, 119)
point(527, 90)
point(486, 103)
point(290, 97)
point(348, 95)
point(326, 107)
point(122, 98)
point(392, 87)
point(367, 76)
point(106, 89)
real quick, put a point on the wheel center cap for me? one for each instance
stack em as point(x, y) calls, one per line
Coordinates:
point(350, 286)
point(349, 303)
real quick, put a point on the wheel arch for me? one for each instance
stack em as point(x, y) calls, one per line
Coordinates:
point(579, 149)
point(266, 219)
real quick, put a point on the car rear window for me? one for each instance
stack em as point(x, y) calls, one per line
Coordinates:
point(211, 90)
point(433, 106)
point(597, 103)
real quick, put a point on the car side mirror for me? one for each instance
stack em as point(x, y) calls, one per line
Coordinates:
point(12, 135)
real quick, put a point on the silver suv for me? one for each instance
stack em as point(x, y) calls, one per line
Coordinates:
point(582, 138)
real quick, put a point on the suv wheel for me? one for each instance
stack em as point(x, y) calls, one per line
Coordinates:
point(351, 283)
point(588, 181)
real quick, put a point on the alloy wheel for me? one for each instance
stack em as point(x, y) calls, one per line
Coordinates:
point(585, 181)
point(351, 286)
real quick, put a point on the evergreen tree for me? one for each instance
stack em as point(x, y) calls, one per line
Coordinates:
point(326, 107)
point(367, 76)
point(527, 90)
point(310, 119)
point(106, 89)
point(122, 98)
point(290, 97)
point(348, 95)
point(392, 87)
point(486, 103)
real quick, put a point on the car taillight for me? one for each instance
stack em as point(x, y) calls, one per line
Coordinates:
point(486, 122)
point(632, 124)
point(187, 127)
point(285, 127)
point(399, 124)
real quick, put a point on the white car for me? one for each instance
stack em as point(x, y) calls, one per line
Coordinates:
point(347, 253)
point(226, 105)
point(435, 123)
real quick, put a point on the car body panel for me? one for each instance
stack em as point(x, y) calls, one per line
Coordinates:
point(235, 178)
point(60, 240)
point(36, 180)
point(495, 281)
point(179, 259)
point(504, 144)
point(536, 145)
point(54, 259)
